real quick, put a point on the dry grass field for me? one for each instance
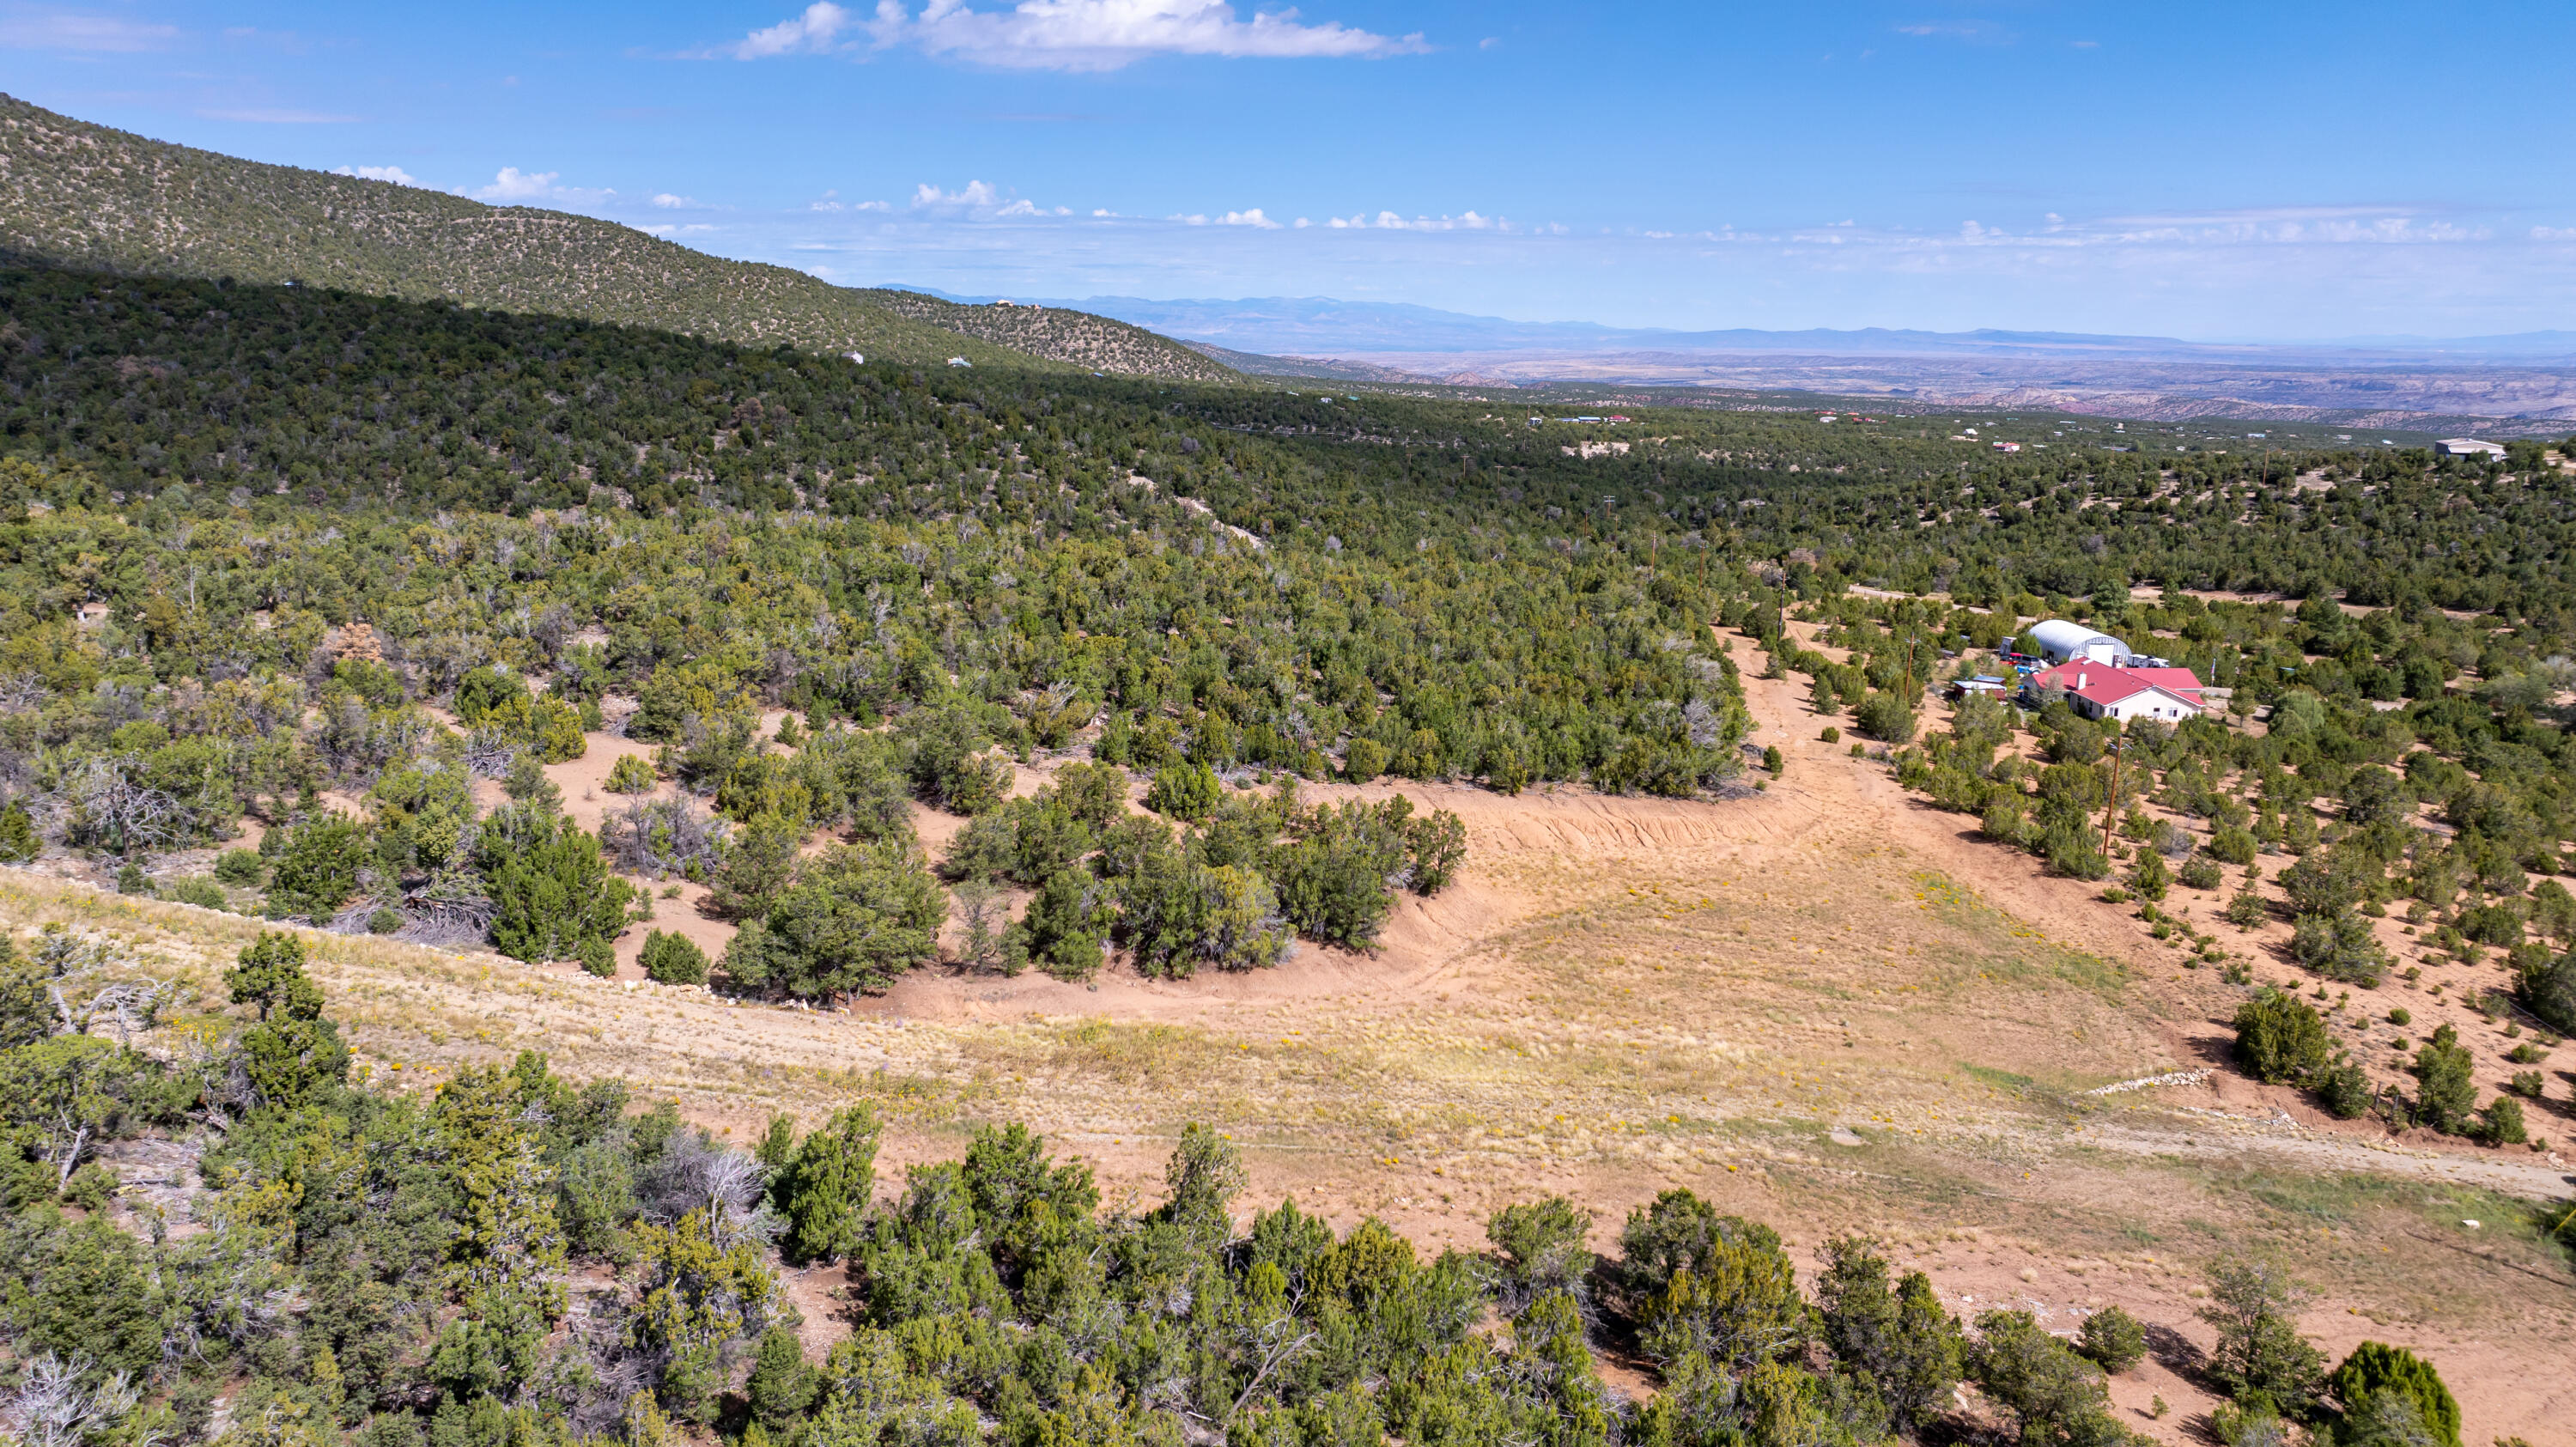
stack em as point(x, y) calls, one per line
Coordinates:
point(1824, 1004)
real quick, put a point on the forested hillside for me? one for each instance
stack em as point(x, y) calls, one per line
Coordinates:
point(321, 567)
point(81, 195)
point(1060, 334)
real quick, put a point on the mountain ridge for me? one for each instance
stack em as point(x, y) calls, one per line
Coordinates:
point(84, 196)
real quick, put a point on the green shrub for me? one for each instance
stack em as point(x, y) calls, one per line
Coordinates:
point(2070, 851)
point(18, 841)
point(1832, 735)
point(2199, 872)
point(195, 889)
point(2005, 821)
point(1885, 717)
point(2400, 1015)
point(1184, 791)
point(2501, 1123)
point(824, 1185)
point(856, 919)
point(317, 866)
point(946, 762)
point(2376, 1371)
point(1364, 760)
point(2527, 1084)
point(673, 959)
point(2149, 878)
point(551, 891)
point(630, 775)
point(1332, 878)
point(2340, 947)
point(241, 868)
point(2550, 991)
point(2231, 846)
point(2445, 1089)
point(2280, 1040)
point(1065, 931)
point(2345, 1090)
point(2112, 1339)
point(91, 1187)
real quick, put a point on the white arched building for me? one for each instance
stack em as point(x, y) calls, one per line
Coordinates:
point(2059, 641)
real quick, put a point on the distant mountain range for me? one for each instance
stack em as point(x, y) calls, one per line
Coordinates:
point(1311, 326)
point(78, 195)
point(2505, 384)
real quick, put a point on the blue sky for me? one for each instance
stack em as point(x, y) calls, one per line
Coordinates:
point(2269, 171)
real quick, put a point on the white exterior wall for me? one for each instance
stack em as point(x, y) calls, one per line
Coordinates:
point(2148, 703)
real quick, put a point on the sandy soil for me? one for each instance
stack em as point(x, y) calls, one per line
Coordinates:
point(1826, 1005)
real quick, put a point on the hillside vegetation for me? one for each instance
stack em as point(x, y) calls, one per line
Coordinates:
point(350, 573)
point(82, 195)
point(1059, 334)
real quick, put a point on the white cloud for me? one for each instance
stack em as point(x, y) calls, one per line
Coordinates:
point(1252, 218)
point(670, 202)
point(1021, 207)
point(513, 184)
point(2553, 233)
point(1078, 34)
point(514, 187)
point(279, 116)
point(975, 193)
point(815, 32)
point(395, 174)
point(72, 30)
point(1390, 221)
point(1973, 31)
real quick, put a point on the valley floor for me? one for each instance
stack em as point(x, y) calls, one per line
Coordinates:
point(1825, 1005)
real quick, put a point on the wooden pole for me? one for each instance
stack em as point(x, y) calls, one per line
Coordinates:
point(2111, 803)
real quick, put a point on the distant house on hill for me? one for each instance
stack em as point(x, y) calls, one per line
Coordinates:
point(2466, 447)
point(2099, 691)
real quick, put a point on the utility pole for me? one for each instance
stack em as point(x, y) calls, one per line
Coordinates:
point(2112, 803)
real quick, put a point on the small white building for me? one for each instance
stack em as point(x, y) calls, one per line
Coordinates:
point(2059, 641)
point(2466, 447)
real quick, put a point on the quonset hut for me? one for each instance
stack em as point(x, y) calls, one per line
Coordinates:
point(2059, 641)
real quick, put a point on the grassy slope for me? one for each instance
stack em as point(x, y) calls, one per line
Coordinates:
point(81, 195)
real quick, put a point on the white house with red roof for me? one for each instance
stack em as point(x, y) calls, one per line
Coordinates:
point(2100, 691)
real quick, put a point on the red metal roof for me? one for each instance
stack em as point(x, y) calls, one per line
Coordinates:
point(2102, 685)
